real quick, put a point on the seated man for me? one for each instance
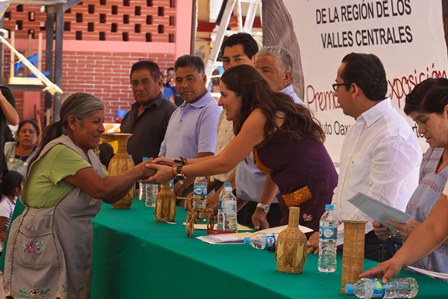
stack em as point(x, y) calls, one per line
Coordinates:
point(380, 155)
point(149, 116)
point(192, 128)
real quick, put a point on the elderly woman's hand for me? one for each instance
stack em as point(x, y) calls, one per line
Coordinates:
point(404, 229)
point(381, 231)
point(145, 172)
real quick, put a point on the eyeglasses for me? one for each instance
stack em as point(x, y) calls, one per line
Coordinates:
point(336, 85)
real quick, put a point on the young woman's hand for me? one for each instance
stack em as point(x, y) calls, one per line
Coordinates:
point(386, 270)
point(163, 174)
point(164, 161)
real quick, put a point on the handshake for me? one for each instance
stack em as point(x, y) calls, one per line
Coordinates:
point(161, 170)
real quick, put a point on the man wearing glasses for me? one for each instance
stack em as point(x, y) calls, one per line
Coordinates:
point(380, 155)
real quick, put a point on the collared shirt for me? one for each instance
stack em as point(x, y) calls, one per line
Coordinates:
point(192, 129)
point(289, 90)
point(380, 157)
point(249, 180)
point(224, 135)
point(148, 129)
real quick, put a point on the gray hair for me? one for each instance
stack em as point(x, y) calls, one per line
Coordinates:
point(80, 105)
point(282, 57)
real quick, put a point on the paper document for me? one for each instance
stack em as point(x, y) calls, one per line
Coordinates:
point(429, 273)
point(238, 238)
point(278, 229)
point(379, 211)
point(234, 238)
point(203, 226)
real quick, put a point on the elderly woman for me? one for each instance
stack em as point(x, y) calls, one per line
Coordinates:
point(427, 104)
point(50, 243)
point(18, 154)
point(286, 140)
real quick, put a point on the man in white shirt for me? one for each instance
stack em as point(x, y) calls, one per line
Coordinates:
point(239, 48)
point(276, 64)
point(380, 155)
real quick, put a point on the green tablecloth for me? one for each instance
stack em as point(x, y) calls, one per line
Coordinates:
point(134, 257)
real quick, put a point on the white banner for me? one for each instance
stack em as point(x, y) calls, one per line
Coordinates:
point(407, 36)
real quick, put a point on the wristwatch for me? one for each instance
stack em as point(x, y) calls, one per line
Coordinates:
point(180, 175)
point(264, 207)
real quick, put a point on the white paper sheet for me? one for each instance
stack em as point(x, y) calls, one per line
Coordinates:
point(238, 238)
point(379, 211)
point(203, 226)
point(278, 229)
point(430, 273)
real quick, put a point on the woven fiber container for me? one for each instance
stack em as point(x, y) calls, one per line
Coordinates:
point(119, 164)
point(290, 253)
point(353, 253)
point(294, 199)
point(165, 208)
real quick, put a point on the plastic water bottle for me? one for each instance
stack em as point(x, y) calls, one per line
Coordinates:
point(374, 288)
point(227, 219)
point(142, 194)
point(328, 235)
point(262, 241)
point(151, 193)
point(220, 215)
point(200, 189)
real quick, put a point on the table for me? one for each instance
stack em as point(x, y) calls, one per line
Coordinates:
point(135, 257)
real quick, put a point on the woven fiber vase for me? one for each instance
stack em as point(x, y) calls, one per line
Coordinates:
point(290, 253)
point(119, 164)
point(353, 253)
point(165, 209)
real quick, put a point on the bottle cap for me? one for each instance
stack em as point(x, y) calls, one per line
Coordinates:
point(329, 207)
point(227, 184)
point(349, 289)
point(246, 240)
point(145, 159)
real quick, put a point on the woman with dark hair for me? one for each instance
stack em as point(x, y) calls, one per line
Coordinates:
point(49, 248)
point(19, 153)
point(287, 143)
point(427, 105)
point(11, 186)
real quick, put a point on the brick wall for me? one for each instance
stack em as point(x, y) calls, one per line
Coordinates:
point(107, 20)
point(104, 74)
